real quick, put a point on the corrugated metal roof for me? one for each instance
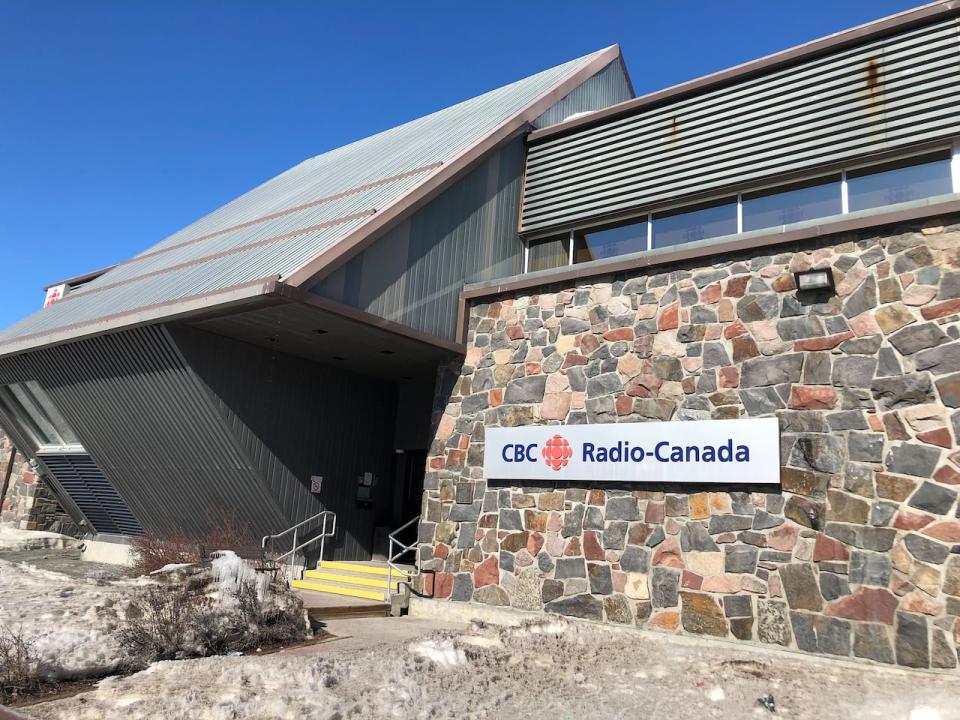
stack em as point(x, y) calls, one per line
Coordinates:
point(280, 226)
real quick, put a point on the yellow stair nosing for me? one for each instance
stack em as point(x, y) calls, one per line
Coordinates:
point(354, 567)
point(380, 583)
point(340, 590)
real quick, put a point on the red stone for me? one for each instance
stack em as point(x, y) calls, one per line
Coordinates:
point(495, 397)
point(729, 377)
point(806, 397)
point(822, 343)
point(826, 548)
point(514, 332)
point(688, 385)
point(736, 286)
point(596, 497)
point(866, 604)
point(624, 333)
point(443, 585)
point(624, 405)
point(735, 330)
point(668, 553)
point(589, 343)
point(937, 436)
point(783, 538)
point(710, 294)
point(436, 463)
point(535, 543)
point(947, 531)
point(494, 310)
point(532, 368)
point(670, 317)
point(440, 550)
point(931, 312)
point(691, 580)
point(655, 512)
point(894, 427)
point(487, 572)
point(455, 459)
point(947, 475)
point(573, 547)
point(875, 423)
point(591, 546)
point(909, 520)
point(644, 386)
point(574, 358)
point(784, 283)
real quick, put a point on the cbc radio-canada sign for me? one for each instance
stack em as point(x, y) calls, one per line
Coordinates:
point(703, 451)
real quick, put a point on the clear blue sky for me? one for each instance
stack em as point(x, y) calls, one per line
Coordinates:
point(121, 122)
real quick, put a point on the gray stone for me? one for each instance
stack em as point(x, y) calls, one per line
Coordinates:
point(605, 384)
point(581, 606)
point(833, 586)
point(862, 299)
point(773, 627)
point(764, 520)
point(889, 363)
point(694, 536)
point(570, 568)
point(573, 521)
point(941, 654)
point(462, 587)
point(913, 338)
point(737, 606)
point(752, 308)
point(819, 634)
point(622, 508)
point(802, 421)
point(761, 401)
point(925, 549)
point(913, 648)
point(933, 498)
point(615, 535)
point(798, 328)
point(858, 478)
point(910, 459)
point(507, 559)
point(526, 389)
point(664, 584)
point(882, 512)
point(729, 523)
point(466, 513)
point(772, 370)
point(854, 371)
point(550, 590)
point(601, 580)
point(715, 355)
point(902, 391)
point(823, 453)
point(635, 559)
point(573, 326)
point(491, 595)
point(847, 420)
point(617, 608)
point(545, 562)
point(800, 585)
point(656, 537)
point(867, 568)
point(593, 518)
point(510, 520)
point(739, 558)
point(862, 346)
point(872, 642)
point(939, 360)
point(865, 447)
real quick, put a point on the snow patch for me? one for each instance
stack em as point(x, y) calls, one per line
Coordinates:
point(443, 652)
point(231, 572)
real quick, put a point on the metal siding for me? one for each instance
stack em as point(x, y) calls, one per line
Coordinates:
point(882, 95)
point(295, 419)
point(608, 87)
point(413, 275)
point(144, 418)
point(360, 177)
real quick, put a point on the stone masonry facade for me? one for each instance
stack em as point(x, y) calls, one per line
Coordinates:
point(855, 554)
point(28, 503)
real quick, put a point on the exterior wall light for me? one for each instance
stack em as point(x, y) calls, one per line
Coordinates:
point(814, 279)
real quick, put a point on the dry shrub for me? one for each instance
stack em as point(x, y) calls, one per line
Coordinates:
point(153, 551)
point(229, 533)
point(21, 667)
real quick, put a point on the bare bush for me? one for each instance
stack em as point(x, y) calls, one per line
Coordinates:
point(229, 533)
point(158, 623)
point(21, 667)
point(153, 551)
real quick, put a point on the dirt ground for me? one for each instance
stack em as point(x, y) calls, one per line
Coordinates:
point(552, 669)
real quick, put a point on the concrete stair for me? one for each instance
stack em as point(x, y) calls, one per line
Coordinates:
point(363, 580)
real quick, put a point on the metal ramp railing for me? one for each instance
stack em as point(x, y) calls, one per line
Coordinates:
point(402, 549)
point(328, 528)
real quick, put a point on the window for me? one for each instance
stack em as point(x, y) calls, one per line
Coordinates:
point(903, 181)
point(779, 206)
point(609, 242)
point(691, 225)
point(32, 409)
point(548, 254)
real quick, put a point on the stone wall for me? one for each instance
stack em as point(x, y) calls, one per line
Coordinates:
point(29, 504)
point(856, 554)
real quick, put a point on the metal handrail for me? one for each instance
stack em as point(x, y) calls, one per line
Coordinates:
point(322, 536)
point(404, 549)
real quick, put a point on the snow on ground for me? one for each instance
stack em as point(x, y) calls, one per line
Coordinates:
point(71, 620)
point(13, 539)
point(554, 669)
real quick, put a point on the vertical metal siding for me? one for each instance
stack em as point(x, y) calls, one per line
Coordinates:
point(608, 87)
point(882, 95)
point(295, 419)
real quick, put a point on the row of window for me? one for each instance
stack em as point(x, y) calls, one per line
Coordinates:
point(29, 405)
point(861, 189)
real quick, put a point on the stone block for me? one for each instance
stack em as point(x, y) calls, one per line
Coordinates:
point(912, 644)
point(801, 588)
point(700, 614)
point(581, 606)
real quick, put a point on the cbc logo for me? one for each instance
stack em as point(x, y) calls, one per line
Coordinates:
point(556, 452)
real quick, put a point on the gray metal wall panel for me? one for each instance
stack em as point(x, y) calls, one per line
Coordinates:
point(414, 274)
point(608, 87)
point(879, 96)
point(148, 424)
point(295, 419)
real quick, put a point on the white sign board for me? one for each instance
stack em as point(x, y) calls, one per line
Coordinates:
point(703, 451)
point(316, 483)
point(54, 293)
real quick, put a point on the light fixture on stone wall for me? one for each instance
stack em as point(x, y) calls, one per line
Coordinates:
point(814, 279)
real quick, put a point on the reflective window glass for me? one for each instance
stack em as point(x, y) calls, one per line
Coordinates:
point(784, 206)
point(548, 254)
point(597, 244)
point(690, 226)
point(899, 182)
